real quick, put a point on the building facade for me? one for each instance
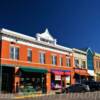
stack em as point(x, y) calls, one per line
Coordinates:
point(80, 65)
point(33, 64)
point(90, 63)
point(40, 64)
point(97, 66)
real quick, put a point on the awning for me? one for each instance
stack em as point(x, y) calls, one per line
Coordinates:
point(82, 72)
point(61, 72)
point(91, 72)
point(57, 72)
point(68, 73)
point(30, 69)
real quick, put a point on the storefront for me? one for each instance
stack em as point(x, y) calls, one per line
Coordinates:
point(81, 75)
point(60, 79)
point(32, 79)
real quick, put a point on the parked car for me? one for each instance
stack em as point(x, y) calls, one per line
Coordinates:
point(93, 85)
point(78, 88)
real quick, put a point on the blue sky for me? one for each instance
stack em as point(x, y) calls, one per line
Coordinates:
point(74, 23)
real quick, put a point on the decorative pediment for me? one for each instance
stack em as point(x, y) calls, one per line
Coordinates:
point(89, 50)
point(46, 37)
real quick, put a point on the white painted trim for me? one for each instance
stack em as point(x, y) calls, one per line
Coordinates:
point(18, 61)
point(80, 51)
point(90, 50)
point(31, 39)
point(35, 45)
point(96, 54)
point(16, 34)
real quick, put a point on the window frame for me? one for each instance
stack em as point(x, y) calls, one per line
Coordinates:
point(42, 59)
point(54, 60)
point(76, 65)
point(14, 53)
point(29, 58)
point(68, 61)
point(61, 61)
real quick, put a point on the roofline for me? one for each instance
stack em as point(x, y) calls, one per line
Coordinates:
point(80, 51)
point(16, 34)
point(96, 54)
point(32, 39)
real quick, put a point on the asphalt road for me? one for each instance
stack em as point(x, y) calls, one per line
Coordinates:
point(69, 96)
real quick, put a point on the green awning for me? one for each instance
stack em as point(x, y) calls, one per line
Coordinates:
point(30, 69)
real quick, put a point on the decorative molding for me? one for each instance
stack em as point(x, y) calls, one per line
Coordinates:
point(18, 61)
point(34, 45)
point(13, 36)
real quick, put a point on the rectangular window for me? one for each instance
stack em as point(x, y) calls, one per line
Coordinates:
point(76, 62)
point(61, 61)
point(14, 52)
point(83, 64)
point(54, 60)
point(29, 55)
point(42, 58)
point(68, 63)
point(96, 64)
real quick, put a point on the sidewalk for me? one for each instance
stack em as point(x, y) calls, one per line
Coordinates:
point(32, 95)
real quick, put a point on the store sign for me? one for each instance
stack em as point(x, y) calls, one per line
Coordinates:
point(57, 77)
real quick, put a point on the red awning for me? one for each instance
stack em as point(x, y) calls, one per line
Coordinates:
point(58, 72)
point(67, 73)
point(82, 72)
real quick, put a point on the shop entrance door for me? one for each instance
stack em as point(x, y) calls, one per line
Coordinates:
point(5, 82)
point(7, 79)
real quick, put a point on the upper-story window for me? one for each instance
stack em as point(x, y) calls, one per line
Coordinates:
point(76, 62)
point(14, 52)
point(54, 60)
point(61, 61)
point(83, 64)
point(42, 57)
point(68, 62)
point(97, 64)
point(29, 55)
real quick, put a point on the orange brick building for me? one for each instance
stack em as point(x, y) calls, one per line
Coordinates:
point(33, 64)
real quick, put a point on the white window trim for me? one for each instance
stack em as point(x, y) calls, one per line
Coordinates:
point(42, 52)
point(27, 54)
point(53, 59)
point(69, 62)
point(14, 52)
point(61, 63)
